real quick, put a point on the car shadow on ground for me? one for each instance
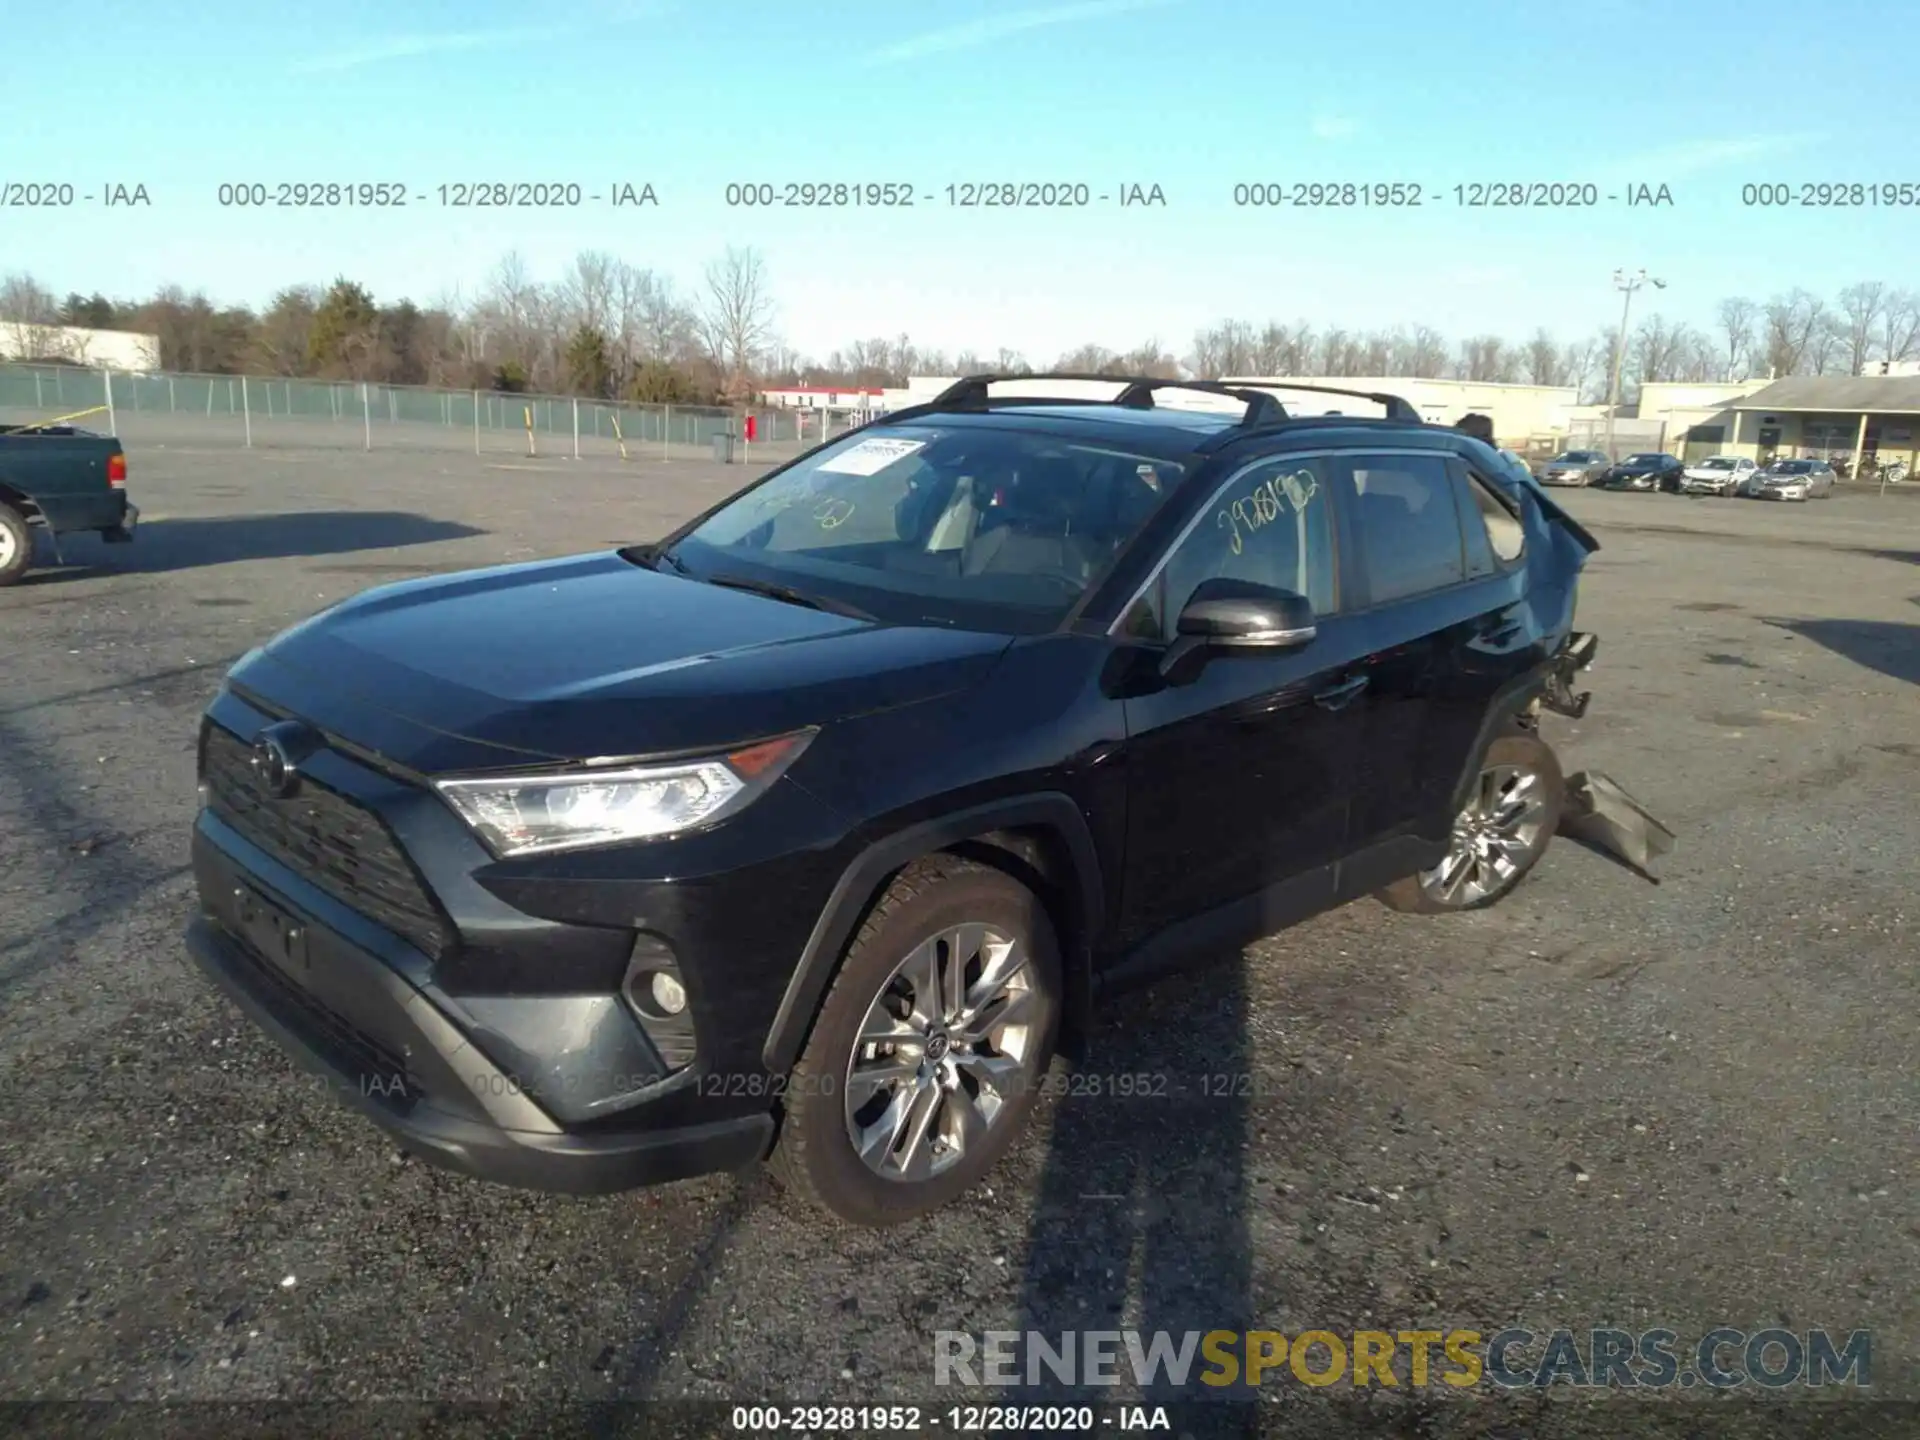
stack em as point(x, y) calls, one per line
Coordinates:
point(1142, 1221)
point(1887, 646)
point(192, 542)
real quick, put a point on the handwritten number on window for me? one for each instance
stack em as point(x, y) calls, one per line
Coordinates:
point(1265, 503)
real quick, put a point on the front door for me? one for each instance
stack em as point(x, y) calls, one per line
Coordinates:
point(1238, 778)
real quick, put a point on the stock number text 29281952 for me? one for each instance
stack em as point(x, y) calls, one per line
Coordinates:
point(963, 195)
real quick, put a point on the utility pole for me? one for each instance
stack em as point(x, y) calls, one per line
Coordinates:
point(1628, 284)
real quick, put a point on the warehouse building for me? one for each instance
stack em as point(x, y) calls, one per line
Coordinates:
point(1877, 416)
point(1525, 417)
point(77, 345)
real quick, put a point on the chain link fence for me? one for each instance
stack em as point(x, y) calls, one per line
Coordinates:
point(254, 411)
point(1631, 436)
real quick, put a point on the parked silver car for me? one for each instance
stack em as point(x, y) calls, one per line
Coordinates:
point(1793, 480)
point(1718, 475)
point(1575, 467)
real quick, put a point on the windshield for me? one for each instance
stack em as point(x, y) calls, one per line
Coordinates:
point(1718, 462)
point(1645, 459)
point(977, 526)
point(1793, 467)
point(1575, 457)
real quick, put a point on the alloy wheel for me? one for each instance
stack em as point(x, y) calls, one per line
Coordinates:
point(1493, 836)
point(8, 547)
point(942, 1052)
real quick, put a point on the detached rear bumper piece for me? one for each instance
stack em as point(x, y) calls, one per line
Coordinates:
point(1603, 814)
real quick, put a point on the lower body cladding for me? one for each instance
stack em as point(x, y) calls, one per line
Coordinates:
point(408, 1057)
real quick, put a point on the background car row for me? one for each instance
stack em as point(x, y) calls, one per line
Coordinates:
point(1725, 475)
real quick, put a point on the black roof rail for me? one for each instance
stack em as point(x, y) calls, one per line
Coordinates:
point(1137, 391)
point(1396, 407)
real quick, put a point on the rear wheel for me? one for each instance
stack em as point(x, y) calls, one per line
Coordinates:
point(16, 545)
point(1499, 835)
point(929, 1049)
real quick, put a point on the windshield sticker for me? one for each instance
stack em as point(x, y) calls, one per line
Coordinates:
point(870, 457)
point(1267, 502)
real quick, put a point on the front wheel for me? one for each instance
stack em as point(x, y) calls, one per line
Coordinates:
point(930, 1048)
point(1499, 835)
point(16, 545)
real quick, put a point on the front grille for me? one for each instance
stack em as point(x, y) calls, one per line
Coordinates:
point(331, 841)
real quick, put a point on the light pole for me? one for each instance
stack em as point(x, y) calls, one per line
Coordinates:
point(1628, 284)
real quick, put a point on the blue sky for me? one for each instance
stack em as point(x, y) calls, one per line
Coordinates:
point(1192, 95)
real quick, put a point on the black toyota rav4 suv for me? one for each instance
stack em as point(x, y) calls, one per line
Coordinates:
point(816, 830)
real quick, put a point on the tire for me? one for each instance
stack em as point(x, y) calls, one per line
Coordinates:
point(16, 545)
point(1519, 752)
point(931, 904)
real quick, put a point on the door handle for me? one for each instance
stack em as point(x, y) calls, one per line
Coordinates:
point(1338, 697)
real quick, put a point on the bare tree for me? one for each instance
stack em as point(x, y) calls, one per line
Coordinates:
point(736, 317)
point(1089, 359)
point(1482, 357)
point(1862, 308)
point(1827, 344)
point(1426, 356)
point(1792, 321)
point(28, 310)
point(1545, 362)
point(1655, 350)
point(1900, 326)
point(1738, 317)
point(1151, 359)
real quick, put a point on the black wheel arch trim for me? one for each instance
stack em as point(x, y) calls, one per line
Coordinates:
point(1509, 702)
point(860, 884)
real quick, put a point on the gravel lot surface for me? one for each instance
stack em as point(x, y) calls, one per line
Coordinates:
point(1611, 1101)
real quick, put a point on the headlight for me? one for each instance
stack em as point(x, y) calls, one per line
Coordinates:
point(528, 814)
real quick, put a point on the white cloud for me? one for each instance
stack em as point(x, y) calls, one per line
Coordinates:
point(989, 28)
point(382, 48)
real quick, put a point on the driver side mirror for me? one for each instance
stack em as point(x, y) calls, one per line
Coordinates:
point(1241, 616)
point(1235, 617)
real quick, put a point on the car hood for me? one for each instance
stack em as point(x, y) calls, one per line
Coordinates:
point(587, 657)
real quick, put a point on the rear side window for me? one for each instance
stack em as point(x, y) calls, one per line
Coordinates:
point(1409, 524)
point(1494, 534)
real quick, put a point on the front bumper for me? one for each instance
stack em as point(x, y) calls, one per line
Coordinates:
point(381, 1043)
point(1775, 493)
point(1694, 486)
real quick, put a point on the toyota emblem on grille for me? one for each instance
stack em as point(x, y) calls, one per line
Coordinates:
point(276, 754)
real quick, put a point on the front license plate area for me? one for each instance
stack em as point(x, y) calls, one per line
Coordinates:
point(271, 931)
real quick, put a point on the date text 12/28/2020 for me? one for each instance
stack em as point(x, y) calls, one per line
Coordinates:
point(960, 195)
point(453, 195)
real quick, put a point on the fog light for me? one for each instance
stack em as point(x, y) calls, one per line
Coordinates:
point(668, 993)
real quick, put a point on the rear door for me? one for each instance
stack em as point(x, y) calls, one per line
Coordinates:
point(1445, 630)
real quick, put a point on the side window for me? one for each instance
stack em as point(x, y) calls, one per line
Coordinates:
point(1270, 524)
point(1408, 524)
point(1493, 532)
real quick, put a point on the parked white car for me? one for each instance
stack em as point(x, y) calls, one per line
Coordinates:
point(1718, 475)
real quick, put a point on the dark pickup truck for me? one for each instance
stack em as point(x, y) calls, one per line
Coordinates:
point(61, 480)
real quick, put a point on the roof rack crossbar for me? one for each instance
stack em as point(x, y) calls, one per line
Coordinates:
point(1396, 407)
point(1136, 391)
